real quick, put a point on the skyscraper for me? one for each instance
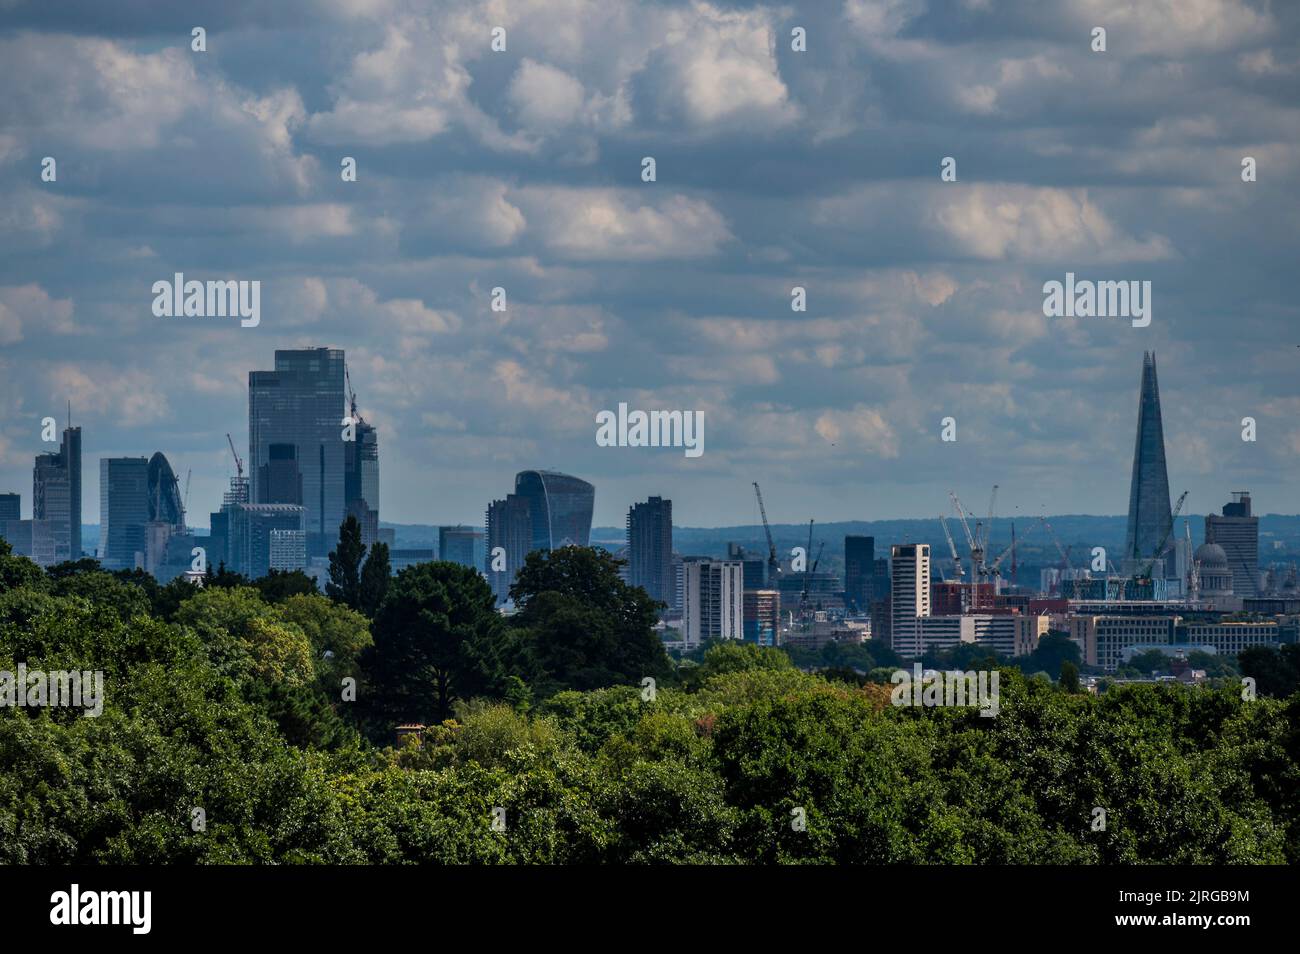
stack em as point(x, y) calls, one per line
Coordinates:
point(909, 595)
point(278, 479)
point(302, 403)
point(165, 504)
point(1149, 517)
point(361, 475)
point(1237, 532)
point(650, 548)
point(460, 545)
point(859, 572)
point(265, 537)
point(713, 601)
point(510, 528)
point(56, 502)
point(561, 508)
point(123, 511)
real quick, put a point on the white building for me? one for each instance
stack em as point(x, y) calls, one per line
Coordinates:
point(712, 600)
point(909, 595)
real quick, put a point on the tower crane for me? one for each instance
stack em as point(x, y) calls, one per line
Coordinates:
point(956, 560)
point(773, 564)
point(1065, 555)
point(239, 463)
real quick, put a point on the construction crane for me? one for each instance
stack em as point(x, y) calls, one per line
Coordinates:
point(352, 395)
point(1161, 550)
point(1193, 568)
point(803, 597)
point(1010, 551)
point(773, 564)
point(1065, 555)
point(956, 560)
point(979, 571)
point(239, 463)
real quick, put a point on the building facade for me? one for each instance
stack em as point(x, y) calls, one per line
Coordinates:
point(909, 595)
point(123, 511)
point(1237, 532)
point(650, 548)
point(56, 502)
point(859, 572)
point(301, 403)
point(713, 601)
point(1149, 519)
point(560, 507)
point(509, 539)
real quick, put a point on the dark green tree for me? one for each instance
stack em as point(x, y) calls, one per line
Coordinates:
point(436, 637)
point(344, 585)
point(580, 626)
point(375, 578)
point(1069, 680)
point(278, 585)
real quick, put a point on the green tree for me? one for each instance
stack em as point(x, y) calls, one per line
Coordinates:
point(580, 626)
point(436, 638)
point(375, 578)
point(1069, 680)
point(278, 585)
point(18, 571)
point(344, 584)
point(1052, 651)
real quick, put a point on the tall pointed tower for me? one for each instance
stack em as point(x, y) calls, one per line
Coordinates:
point(1149, 517)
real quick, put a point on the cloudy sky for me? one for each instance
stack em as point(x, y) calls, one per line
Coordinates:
point(775, 168)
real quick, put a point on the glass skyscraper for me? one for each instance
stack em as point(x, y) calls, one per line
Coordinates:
point(859, 572)
point(302, 403)
point(1149, 517)
point(124, 507)
point(510, 528)
point(560, 505)
point(56, 502)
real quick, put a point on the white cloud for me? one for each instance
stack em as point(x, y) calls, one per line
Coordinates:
point(612, 224)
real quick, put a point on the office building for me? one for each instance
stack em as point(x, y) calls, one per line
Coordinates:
point(361, 466)
point(265, 537)
point(1237, 533)
point(1149, 517)
point(123, 511)
point(460, 544)
point(650, 548)
point(909, 595)
point(560, 507)
point(301, 403)
point(279, 479)
point(859, 572)
point(1103, 639)
point(56, 502)
point(713, 600)
point(399, 560)
point(508, 538)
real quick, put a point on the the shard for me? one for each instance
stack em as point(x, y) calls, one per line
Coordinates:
point(1149, 518)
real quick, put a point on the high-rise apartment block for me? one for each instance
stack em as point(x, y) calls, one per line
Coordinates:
point(713, 600)
point(650, 548)
point(909, 595)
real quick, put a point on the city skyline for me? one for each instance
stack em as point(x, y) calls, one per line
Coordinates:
point(923, 296)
